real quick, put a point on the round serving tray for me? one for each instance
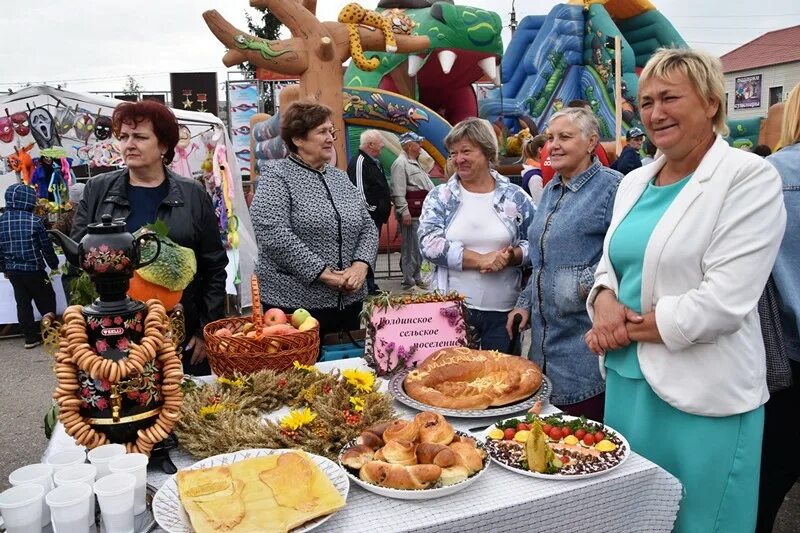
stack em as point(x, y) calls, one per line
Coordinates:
point(397, 390)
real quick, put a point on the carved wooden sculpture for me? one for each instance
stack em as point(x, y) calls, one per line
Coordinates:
point(315, 52)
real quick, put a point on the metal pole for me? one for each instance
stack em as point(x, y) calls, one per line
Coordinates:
point(618, 93)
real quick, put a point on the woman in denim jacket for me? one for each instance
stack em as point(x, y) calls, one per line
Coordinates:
point(779, 471)
point(566, 238)
point(474, 229)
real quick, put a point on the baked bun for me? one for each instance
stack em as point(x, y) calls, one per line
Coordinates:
point(398, 452)
point(435, 454)
point(399, 476)
point(357, 456)
point(461, 378)
point(468, 456)
point(434, 428)
point(373, 435)
point(401, 430)
point(453, 474)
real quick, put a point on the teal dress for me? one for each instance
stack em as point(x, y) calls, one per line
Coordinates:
point(716, 459)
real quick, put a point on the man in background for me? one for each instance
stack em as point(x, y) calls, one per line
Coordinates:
point(410, 185)
point(629, 159)
point(366, 173)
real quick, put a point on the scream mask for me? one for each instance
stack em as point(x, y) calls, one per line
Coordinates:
point(21, 124)
point(65, 119)
point(43, 128)
point(6, 130)
point(102, 128)
point(84, 127)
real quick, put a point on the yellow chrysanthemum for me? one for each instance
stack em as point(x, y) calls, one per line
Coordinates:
point(298, 366)
point(236, 383)
point(360, 379)
point(357, 403)
point(298, 418)
point(209, 412)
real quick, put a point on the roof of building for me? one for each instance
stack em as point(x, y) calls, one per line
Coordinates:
point(772, 48)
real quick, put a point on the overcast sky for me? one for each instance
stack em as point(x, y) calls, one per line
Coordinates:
point(92, 45)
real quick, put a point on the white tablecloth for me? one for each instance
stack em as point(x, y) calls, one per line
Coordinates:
point(637, 496)
point(8, 306)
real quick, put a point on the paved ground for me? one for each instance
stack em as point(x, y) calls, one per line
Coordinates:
point(27, 381)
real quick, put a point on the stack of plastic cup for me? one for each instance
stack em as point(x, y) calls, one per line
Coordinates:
point(115, 496)
point(21, 508)
point(78, 474)
point(69, 505)
point(36, 474)
point(61, 460)
point(136, 464)
point(102, 455)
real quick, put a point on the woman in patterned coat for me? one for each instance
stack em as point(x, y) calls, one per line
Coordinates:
point(315, 236)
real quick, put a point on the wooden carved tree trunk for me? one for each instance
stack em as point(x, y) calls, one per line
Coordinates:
point(315, 52)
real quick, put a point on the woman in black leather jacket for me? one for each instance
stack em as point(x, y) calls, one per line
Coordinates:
point(146, 191)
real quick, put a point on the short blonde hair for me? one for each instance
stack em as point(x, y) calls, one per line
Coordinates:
point(583, 118)
point(477, 131)
point(790, 125)
point(703, 71)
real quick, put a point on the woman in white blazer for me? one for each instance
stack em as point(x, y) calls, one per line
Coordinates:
point(691, 244)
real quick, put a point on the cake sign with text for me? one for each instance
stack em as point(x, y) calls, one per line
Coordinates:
point(404, 336)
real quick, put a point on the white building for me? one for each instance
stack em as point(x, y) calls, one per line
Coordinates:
point(761, 73)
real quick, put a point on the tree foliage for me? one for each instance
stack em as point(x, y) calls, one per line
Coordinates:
point(132, 86)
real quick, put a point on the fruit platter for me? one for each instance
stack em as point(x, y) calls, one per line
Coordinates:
point(558, 447)
point(418, 459)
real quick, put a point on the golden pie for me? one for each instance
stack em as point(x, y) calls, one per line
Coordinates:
point(273, 493)
point(461, 378)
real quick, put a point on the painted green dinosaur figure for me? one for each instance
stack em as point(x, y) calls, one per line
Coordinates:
point(465, 46)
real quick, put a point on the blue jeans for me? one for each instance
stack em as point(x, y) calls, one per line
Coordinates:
point(491, 329)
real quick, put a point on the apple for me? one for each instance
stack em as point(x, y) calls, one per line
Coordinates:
point(224, 332)
point(308, 323)
point(275, 316)
point(299, 316)
point(277, 329)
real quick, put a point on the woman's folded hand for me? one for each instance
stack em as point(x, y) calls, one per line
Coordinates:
point(609, 331)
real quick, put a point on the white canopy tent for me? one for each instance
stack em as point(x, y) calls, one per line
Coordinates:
point(85, 149)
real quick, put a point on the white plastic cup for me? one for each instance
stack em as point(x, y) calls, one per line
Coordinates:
point(115, 496)
point(66, 458)
point(70, 507)
point(136, 464)
point(102, 455)
point(21, 507)
point(76, 474)
point(35, 474)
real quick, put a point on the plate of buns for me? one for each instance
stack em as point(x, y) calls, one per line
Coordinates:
point(418, 459)
point(252, 490)
point(466, 383)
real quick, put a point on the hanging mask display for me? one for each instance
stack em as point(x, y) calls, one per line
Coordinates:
point(102, 128)
point(6, 130)
point(65, 119)
point(43, 128)
point(84, 126)
point(21, 124)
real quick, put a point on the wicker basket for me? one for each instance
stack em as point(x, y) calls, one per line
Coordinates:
point(245, 355)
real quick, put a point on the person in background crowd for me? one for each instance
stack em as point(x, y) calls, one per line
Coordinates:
point(474, 228)
point(629, 159)
point(146, 191)
point(547, 170)
point(410, 186)
point(692, 241)
point(566, 238)
point(779, 470)
point(649, 152)
point(762, 150)
point(64, 225)
point(532, 167)
point(24, 250)
point(366, 173)
point(315, 237)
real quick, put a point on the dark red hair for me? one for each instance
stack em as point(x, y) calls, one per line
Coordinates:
point(165, 125)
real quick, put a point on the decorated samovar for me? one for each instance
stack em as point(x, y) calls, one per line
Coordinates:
point(118, 371)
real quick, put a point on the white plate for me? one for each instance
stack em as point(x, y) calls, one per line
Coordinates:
point(411, 494)
point(562, 477)
point(169, 512)
point(399, 393)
